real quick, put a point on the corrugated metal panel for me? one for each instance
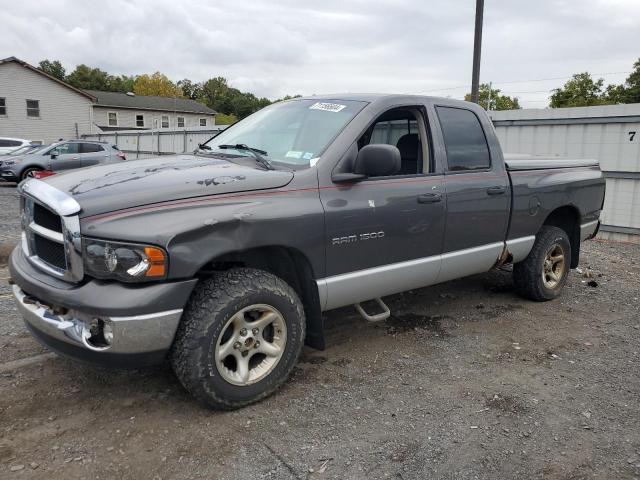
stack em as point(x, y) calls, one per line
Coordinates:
point(608, 133)
point(148, 143)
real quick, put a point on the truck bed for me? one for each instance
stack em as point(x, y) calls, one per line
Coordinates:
point(524, 161)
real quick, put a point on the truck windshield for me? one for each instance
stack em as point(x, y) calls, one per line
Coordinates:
point(294, 133)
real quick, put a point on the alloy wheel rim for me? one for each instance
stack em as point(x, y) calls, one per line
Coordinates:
point(251, 344)
point(553, 267)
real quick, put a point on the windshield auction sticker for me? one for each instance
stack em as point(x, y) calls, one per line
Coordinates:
point(327, 107)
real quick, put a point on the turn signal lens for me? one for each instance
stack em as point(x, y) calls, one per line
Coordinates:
point(157, 262)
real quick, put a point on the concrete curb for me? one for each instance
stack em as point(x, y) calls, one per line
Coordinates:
point(5, 251)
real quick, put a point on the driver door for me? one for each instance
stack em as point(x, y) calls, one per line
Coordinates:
point(384, 234)
point(68, 157)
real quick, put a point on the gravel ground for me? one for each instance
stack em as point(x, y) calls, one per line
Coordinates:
point(466, 380)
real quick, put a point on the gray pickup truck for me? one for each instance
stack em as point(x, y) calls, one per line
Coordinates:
point(223, 260)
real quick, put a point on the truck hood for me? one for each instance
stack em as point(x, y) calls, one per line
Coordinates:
point(115, 186)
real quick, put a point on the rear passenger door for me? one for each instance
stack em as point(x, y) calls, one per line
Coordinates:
point(93, 154)
point(478, 195)
point(68, 157)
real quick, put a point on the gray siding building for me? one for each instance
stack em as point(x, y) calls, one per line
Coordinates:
point(125, 111)
point(41, 108)
point(38, 107)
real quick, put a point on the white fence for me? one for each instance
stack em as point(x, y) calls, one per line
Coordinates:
point(149, 143)
point(610, 134)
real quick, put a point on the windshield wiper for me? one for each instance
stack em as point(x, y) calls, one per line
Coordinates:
point(256, 152)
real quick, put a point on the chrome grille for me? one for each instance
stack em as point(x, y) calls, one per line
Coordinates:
point(51, 230)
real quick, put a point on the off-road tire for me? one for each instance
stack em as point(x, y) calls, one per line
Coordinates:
point(211, 305)
point(27, 172)
point(528, 274)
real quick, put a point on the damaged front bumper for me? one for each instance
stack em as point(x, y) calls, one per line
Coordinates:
point(105, 323)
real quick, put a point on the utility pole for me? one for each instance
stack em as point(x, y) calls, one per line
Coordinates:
point(489, 99)
point(477, 47)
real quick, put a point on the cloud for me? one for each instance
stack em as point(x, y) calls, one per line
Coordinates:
point(283, 47)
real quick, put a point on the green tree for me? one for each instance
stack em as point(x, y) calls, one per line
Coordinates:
point(224, 119)
point(190, 89)
point(122, 83)
point(581, 91)
point(88, 78)
point(490, 99)
point(632, 85)
point(157, 84)
point(53, 68)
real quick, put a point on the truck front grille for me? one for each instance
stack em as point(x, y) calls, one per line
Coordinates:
point(50, 252)
point(46, 218)
point(44, 235)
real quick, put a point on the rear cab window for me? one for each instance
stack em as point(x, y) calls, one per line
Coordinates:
point(464, 139)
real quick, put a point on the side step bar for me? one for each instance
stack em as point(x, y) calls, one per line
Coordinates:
point(378, 317)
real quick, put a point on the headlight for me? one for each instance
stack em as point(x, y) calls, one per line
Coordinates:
point(122, 261)
point(15, 161)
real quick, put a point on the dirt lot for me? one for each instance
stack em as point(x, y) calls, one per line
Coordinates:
point(466, 380)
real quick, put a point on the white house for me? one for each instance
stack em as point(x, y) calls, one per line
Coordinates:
point(126, 111)
point(41, 108)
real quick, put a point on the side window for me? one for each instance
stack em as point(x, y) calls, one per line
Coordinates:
point(180, 122)
point(165, 121)
point(203, 122)
point(113, 119)
point(464, 139)
point(139, 120)
point(402, 128)
point(90, 148)
point(3, 106)
point(33, 108)
point(66, 148)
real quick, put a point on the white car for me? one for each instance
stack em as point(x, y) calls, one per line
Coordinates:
point(8, 145)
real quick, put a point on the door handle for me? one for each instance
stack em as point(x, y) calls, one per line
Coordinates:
point(497, 190)
point(429, 198)
point(75, 158)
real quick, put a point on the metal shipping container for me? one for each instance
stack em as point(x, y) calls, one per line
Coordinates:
point(608, 133)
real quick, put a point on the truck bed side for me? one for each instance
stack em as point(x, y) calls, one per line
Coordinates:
point(569, 197)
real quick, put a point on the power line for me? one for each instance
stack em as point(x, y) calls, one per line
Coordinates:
point(604, 74)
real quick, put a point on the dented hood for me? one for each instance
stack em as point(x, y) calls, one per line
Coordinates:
point(116, 186)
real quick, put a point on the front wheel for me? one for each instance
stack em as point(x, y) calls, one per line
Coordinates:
point(240, 336)
point(544, 272)
point(28, 173)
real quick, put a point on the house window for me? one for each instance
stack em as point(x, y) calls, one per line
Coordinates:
point(33, 108)
point(3, 106)
point(113, 119)
point(203, 122)
point(165, 121)
point(180, 122)
point(139, 120)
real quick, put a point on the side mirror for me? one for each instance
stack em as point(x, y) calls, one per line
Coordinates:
point(375, 160)
point(54, 155)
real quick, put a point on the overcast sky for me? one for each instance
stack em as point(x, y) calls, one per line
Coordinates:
point(273, 48)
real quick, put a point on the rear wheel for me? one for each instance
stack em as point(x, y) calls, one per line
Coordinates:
point(28, 172)
point(544, 272)
point(240, 336)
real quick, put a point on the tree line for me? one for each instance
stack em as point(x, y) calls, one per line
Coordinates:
point(216, 93)
point(232, 104)
point(581, 90)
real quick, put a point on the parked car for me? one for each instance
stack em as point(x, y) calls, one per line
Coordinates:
point(8, 145)
point(59, 157)
point(224, 260)
point(32, 147)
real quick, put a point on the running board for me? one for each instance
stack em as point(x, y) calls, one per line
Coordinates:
point(379, 317)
